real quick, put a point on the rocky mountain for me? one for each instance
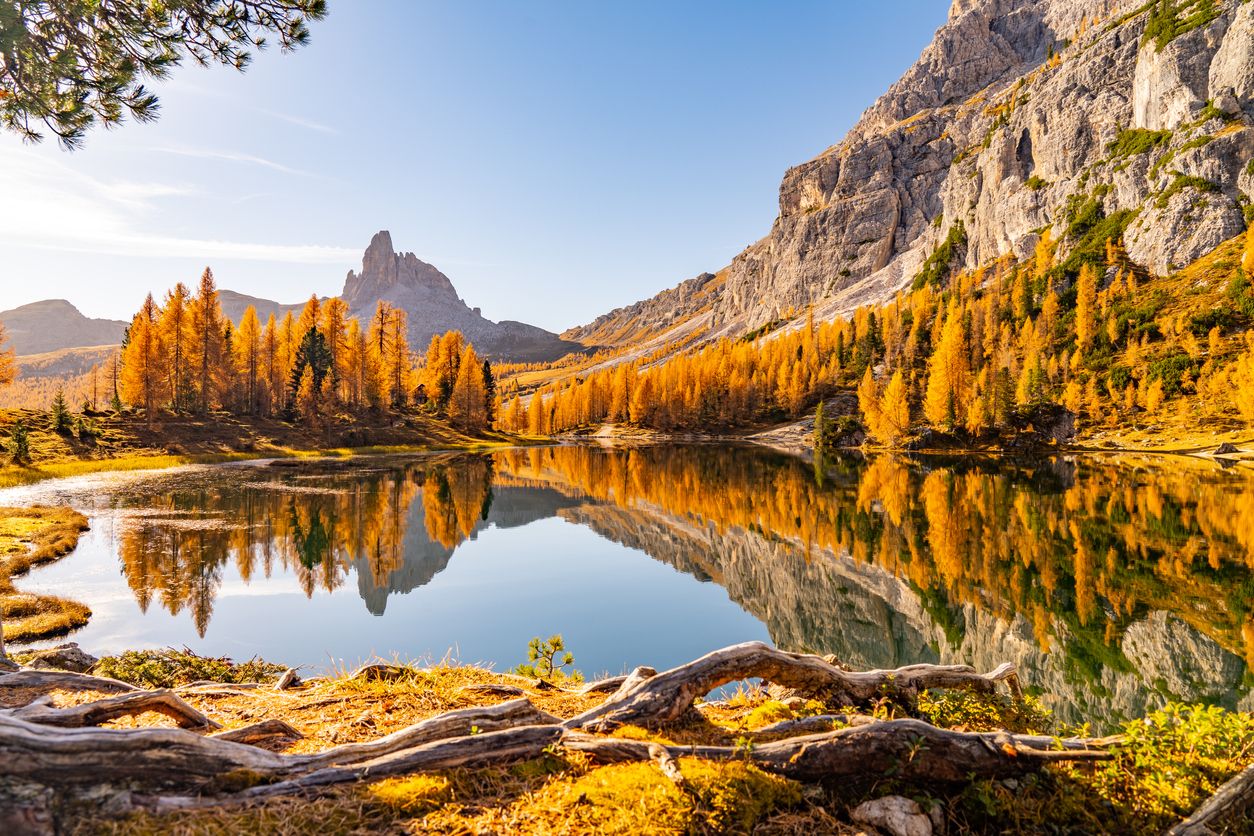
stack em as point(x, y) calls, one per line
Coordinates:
point(1019, 116)
point(55, 324)
point(434, 306)
point(234, 304)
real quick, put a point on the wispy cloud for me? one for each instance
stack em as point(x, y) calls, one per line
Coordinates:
point(300, 121)
point(48, 205)
point(229, 156)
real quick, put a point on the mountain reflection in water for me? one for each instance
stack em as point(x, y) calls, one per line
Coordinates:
point(1114, 583)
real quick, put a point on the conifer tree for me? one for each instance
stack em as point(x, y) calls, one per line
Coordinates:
point(489, 391)
point(467, 405)
point(144, 377)
point(175, 334)
point(1086, 307)
point(248, 359)
point(895, 408)
point(948, 392)
point(207, 347)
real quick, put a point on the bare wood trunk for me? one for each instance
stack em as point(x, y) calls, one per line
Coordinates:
point(258, 732)
point(911, 749)
point(124, 705)
point(1233, 797)
point(63, 680)
point(664, 697)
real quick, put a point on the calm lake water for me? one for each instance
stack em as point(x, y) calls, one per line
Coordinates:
point(1114, 583)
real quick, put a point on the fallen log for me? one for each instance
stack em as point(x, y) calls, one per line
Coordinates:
point(51, 680)
point(907, 749)
point(151, 757)
point(123, 705)
point(1235, 796)
point(664, 697)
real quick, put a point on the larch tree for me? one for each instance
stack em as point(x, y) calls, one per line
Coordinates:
point(270, 371)
point(144, 378)
point(208, 329)
point(949, 375)
point(176, 334)
point(334, 327)
point(1247, 257)
point(895, 408)
point(1086, 321)
point(467, 407)
point(248, 359)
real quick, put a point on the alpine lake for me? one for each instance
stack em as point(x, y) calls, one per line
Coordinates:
point(1114, 582)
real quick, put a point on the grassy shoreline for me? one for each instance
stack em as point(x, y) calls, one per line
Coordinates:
point(32, 537)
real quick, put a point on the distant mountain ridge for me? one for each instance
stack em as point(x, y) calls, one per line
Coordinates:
point(425, 293)
point(54, 324)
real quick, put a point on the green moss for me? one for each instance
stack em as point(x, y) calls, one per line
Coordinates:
point(1182, 182)
point(1134, 141)
point(1088, 229)
point(1035, 183)
point(939, 265)
point(1169, 20)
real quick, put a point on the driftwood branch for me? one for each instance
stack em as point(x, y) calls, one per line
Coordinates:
point(1236, 796)
point(911, 748)
point(63, 680)
point(258, 732)
point(123, 705)
point(664, 697)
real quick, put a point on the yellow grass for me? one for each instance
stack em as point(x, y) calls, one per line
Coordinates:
point(30, 537)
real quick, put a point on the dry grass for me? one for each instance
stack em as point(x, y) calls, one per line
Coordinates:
point(31, 537)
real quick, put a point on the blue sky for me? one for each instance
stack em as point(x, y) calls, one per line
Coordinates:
point(554, 159)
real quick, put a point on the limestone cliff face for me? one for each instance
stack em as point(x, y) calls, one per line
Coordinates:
point(434, 306)
point(1011, 111)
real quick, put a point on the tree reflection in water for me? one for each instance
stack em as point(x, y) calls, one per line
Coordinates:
point(1090, 570)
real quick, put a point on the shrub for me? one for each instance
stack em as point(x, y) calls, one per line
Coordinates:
point(168, 668)
point(940, 263)
point(542, 660)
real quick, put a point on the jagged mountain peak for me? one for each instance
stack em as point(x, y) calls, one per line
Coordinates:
point(434, 306)
point(386, 273)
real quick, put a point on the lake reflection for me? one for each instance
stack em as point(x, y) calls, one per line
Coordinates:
point(1113, 583)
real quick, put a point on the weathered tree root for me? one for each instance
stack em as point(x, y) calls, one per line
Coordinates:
point(258, 732)
point(50, 680)
point(1235, 796)
point(913, 749)
point(123, 705)
point(664, 697)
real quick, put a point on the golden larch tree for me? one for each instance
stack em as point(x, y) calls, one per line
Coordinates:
point(467, 406)
point(144, 378)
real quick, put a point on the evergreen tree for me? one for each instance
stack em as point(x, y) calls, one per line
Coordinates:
point(61, 419)
point(489, 391)
point(313, 358)
point(71, 66)
point(19, 445)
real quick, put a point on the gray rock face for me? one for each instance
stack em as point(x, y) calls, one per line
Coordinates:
point(434, 306)
point(1009, 92)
